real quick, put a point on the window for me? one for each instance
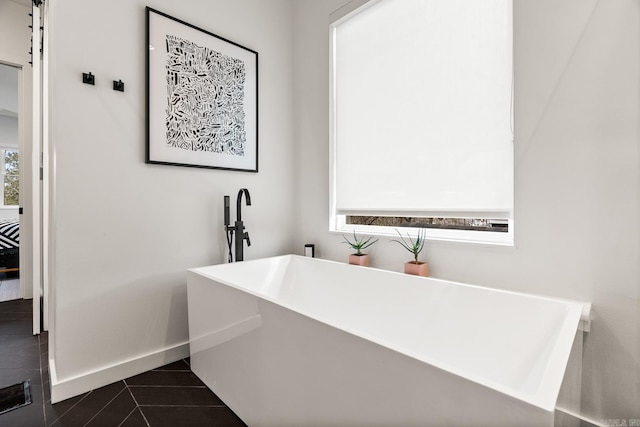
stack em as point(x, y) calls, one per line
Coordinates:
point(421, 97)
point(10, 176)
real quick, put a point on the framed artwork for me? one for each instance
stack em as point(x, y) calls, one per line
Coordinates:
point(202, 97)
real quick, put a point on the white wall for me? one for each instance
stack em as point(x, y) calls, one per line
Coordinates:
point(8, 89)
point(9, 106)
point(576, 185)
point(125, 232)
point(15, 43)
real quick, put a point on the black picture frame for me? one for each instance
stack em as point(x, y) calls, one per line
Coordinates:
point(201, 97)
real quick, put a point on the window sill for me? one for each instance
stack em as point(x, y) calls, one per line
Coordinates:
point(432, 234)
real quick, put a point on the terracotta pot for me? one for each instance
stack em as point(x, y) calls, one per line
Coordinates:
point(417, 269)
point(362, 259)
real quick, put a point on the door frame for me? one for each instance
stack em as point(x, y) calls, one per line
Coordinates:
point(36, 172)
point(30, 207)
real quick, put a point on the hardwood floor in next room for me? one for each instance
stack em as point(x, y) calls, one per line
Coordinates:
point(168, 396)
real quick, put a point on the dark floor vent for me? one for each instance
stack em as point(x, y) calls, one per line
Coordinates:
point(15, 396)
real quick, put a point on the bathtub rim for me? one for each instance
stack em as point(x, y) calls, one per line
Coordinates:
point(546, 395)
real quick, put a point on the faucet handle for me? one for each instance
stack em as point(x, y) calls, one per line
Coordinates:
point(246, 237)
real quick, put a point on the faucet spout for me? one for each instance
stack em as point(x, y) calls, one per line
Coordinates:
point(247, 197)
point(241, 235)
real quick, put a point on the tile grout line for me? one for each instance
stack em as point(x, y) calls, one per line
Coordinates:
point(44, 412)
point(136, 402)
point(184, 406)
point(165, 386)
point(107, 404)
point(127, 417)
point(74, 405)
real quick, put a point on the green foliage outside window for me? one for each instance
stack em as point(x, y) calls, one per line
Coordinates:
point(11, 177)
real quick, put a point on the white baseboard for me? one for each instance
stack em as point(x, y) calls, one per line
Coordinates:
point(66, 388)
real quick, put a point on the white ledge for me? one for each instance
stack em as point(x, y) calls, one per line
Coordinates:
point(585, 318)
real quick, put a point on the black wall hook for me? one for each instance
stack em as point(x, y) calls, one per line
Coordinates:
point(118, 85)
point(89, 79)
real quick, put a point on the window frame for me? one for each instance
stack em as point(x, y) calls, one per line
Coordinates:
point(337, 221)
point(338, 225)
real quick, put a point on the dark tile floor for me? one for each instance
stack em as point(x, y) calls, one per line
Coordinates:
point(168, 396)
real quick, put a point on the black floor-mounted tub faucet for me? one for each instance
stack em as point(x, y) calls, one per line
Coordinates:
point(238, 228)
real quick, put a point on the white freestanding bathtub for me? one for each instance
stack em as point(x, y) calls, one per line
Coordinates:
point(295, 341)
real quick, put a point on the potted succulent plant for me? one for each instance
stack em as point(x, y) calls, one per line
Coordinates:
point(416, 246)
point(359, 243)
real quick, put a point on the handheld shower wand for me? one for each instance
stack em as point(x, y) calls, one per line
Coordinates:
point(227, 226)
point(227, 214)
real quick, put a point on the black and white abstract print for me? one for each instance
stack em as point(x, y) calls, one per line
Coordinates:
point(205, 94)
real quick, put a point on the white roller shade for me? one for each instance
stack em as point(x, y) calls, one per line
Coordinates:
point(422, 107)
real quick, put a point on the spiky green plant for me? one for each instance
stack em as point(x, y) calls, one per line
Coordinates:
point(413, 246)
point(359, 243)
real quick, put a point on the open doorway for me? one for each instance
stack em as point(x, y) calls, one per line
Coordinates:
point(20, 42)
point(10, 184)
